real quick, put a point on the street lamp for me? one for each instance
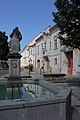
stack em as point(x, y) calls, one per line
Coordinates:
point(29, 65)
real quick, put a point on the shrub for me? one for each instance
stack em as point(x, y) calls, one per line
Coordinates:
point(30, 67)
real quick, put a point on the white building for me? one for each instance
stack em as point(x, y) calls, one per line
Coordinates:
point(25, 57)
point(47, 55)
point(55, 50)
point(43, 52)
point(32, 55)
point(70, 61)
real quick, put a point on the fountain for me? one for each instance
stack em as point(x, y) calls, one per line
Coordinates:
point(51, 101)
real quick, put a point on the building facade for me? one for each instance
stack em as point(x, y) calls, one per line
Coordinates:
point(47, 54)
point(25, 57)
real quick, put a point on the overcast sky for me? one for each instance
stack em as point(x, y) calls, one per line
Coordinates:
point(31, 16)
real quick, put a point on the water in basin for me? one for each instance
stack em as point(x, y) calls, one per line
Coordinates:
point(27, 91)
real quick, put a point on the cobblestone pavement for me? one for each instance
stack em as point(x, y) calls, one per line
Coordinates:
point(75, 98)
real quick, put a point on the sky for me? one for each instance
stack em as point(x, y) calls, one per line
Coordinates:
point(31, 16)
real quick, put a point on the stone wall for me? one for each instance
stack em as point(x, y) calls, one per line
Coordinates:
point(52, 108)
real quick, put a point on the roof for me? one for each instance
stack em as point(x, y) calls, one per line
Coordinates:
point(54, 29)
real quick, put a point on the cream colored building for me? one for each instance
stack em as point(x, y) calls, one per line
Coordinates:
point(25, 56)
point(47, 55)
point(32, 54)
point(43, 52)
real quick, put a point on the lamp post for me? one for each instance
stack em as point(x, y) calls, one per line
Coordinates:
point(29, 65)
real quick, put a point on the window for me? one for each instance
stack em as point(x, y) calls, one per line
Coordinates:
point(45, 45)
point(38, 49)
point(50, 46)
point(31, 52)
point(55, 44)
point(55, 61)
point(41, 47)
point(33, 62)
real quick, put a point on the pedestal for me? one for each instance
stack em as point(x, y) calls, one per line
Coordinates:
point(14, 69)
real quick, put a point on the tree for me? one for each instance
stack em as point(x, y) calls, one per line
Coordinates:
point(4, 48)
point(67, 18)
point(30, 67)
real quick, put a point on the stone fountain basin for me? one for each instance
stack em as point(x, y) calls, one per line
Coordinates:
point(56, 107)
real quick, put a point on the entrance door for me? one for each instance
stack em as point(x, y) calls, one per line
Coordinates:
point(47, 64)
point(38, 64)
point(70, 62)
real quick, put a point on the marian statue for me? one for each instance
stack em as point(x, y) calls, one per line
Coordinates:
point(15, 40)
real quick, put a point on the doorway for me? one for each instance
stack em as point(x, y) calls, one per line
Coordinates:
point(70, 62)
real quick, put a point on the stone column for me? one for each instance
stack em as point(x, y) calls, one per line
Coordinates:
point(14, 56)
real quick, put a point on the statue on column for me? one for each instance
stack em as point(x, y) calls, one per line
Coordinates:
point(15, 40)
point(14, 55)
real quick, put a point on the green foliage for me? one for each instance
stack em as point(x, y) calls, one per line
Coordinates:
point(67, 18)
point(4, 49)
point(30, 67)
